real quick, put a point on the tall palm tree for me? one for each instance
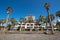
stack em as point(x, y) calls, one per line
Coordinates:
point(9, 10)
point(46, 20)
point(47, 8)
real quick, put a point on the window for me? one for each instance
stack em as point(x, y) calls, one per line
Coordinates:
point(31, 24)
point(27, 24)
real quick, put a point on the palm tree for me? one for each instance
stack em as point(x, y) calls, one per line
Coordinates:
point(22, 20)
point(52, 17)
point(47, 8)
point(9, 10)
point(14, 22)
point(30, 18)
point(37, 21)
point(46, 20)
point(9, 26)
point(58, 13)
point(3, 21)
point(58, 24)
point(41, 20)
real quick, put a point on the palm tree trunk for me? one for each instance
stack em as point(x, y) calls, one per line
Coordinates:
point(21, 27)
point(7, 20)
point(52, 31)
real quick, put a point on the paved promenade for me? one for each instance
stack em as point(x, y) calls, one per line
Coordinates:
point(35, 36)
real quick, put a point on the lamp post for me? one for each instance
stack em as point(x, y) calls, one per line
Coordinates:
point(47, 8)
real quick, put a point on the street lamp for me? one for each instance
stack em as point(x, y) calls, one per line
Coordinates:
point(47, 8)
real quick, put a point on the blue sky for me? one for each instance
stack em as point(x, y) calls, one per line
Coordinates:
point(25, 7)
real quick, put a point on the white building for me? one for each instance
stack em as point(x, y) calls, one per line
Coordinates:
point(28, 25)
